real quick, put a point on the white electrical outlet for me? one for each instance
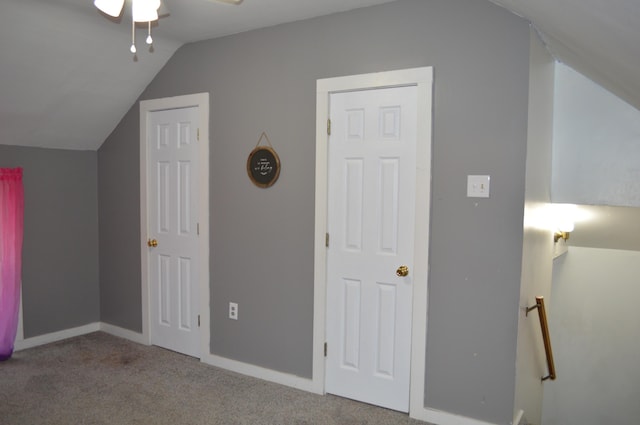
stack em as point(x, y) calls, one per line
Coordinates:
point(233, 311)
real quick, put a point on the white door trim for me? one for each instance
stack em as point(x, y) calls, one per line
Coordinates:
point(201, 101)
point(423, 79)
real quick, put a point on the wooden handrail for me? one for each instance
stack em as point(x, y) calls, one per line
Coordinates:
point(542, 313)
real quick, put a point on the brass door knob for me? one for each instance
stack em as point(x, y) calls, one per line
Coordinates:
point(402, 271)
point(152, 243)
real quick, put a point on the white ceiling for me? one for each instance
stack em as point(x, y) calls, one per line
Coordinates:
point(67, 77)
point(598, 38)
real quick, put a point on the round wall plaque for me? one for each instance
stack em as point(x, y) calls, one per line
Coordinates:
point(263, 166)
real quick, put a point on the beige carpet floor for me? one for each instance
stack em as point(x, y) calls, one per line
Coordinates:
point(100, 379)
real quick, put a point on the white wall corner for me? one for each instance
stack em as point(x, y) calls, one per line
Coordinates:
point(560, 248)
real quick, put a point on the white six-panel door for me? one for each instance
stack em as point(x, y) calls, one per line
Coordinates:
point(173, 224)
point(371, 219)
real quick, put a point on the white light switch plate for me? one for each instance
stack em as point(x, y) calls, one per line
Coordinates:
point(478, 186)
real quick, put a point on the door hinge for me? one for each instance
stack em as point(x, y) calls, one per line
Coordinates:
point(326, 240)
point(198, 136)
point(198, 229)
point(198, 320)
point(329, 126)
point(325, 349)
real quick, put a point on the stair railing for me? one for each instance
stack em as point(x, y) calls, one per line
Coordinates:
point(542, 314)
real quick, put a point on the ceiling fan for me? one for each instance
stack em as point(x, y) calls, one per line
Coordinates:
point(141, 11)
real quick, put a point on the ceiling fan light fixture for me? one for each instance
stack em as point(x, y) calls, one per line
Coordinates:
point(145, 10)
point(110, 7)
point(141, 11)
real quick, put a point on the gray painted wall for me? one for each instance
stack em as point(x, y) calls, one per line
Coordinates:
point(594, 326)
point(262, 240)
point(60, 249)
point(119, 225)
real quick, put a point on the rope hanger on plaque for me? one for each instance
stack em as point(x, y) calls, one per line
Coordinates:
point(263, 164)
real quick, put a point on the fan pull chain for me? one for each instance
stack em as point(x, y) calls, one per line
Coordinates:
point(149, 39)
point(133, 37)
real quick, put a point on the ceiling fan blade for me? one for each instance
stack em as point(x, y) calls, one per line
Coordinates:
point(163, 10)
point(234, 2)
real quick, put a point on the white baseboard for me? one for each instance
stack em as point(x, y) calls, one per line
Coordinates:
point(123, 333)
point(36, 341)
point(262, 373)
point(304, 384)
point(444, 418)
point(56, 336)
point(221, 362)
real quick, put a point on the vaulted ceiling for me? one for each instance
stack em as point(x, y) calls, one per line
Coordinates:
point(600, 39)
point(67, 77)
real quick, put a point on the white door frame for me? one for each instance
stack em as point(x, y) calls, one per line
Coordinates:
point(422, 78)
point(201, 101)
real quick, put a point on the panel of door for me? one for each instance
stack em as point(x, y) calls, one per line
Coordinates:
point(371, 218)
point(173, 229)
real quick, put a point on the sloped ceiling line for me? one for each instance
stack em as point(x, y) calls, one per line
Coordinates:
point(39, 44)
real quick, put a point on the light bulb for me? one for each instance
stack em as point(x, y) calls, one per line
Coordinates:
point(133, 48)
point(566, 226)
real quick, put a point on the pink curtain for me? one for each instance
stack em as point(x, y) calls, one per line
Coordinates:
point(11, 227)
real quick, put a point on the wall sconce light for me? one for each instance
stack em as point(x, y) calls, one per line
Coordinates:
point(563, 232)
